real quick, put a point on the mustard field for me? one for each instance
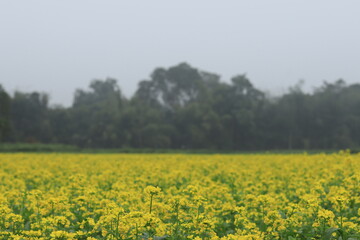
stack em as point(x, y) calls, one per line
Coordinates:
point(174, 196)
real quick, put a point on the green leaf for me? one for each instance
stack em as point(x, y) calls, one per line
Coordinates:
point(329, 233)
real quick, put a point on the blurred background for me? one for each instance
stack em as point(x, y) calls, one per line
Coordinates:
point(221, 76)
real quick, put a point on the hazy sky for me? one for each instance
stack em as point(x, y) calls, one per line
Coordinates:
point(58, 46)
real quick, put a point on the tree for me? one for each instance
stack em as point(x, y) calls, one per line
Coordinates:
point(182, 107)
point(239, 105)
point(95, 115)
point(172, 88)
point(4, 115)
point(29, 116)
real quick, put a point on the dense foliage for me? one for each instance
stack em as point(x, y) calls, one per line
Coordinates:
point(184, 108)
point(249, 197)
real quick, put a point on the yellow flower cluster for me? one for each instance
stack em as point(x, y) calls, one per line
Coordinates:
point(175, 196)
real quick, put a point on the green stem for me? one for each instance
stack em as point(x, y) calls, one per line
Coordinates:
point(341, 216)
point(151, 201)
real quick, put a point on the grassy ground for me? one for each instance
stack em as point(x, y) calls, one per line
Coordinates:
point(38, 147)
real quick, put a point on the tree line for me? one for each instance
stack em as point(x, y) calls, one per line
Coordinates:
point(182, 107)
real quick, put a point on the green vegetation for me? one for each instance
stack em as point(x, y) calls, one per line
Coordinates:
point(184, 109)
point(36, 147)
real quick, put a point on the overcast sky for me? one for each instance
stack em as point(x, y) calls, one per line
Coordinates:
point(59, 46)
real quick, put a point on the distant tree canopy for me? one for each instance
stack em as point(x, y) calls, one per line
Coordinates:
point(4, 115)
point(184, 108)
